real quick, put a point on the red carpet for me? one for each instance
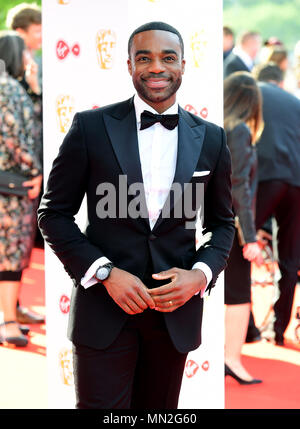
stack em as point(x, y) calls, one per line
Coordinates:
point(24, 381)
point(281, 380)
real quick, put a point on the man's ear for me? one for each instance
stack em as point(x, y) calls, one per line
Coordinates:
point(183, 66)
point(129, 66)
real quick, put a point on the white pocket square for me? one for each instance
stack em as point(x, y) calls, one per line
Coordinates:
point(201, 173)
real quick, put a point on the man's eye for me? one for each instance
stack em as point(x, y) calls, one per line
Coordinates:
point(169, 59)
point(143, 59)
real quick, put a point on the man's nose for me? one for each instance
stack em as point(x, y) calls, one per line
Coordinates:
point(156, 66)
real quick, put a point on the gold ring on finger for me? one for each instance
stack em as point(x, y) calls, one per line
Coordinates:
point(170, 303)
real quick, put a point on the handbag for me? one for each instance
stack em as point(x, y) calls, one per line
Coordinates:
point(11, 184)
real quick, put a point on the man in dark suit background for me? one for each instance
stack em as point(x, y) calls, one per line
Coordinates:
point(243, 54)
point(131, 328)
point(278, 194)
point(228, 41)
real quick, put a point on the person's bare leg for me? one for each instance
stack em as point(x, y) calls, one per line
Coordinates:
point(9, 291)
point(236, 324)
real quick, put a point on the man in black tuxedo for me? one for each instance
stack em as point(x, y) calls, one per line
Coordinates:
point(278, 194)
point(136, 305)
point(242, 57)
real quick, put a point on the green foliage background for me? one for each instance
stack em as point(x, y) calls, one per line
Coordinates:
point(280, 18)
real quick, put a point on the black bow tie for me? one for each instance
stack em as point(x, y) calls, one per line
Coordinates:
point(148, 119)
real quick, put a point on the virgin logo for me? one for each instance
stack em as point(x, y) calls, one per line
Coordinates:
point(191, 109)
point(76, 50)
point(64, 304)
point(203, 112)
point(205, 366)
point(62, 49)
point(191, 367)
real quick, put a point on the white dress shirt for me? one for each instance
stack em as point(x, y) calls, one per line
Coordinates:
point(158, 163)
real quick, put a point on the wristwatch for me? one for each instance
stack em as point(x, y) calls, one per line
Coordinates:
point(103, 271)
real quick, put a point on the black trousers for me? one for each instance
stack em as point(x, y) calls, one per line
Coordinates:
point(281, 200)
point(140, 370)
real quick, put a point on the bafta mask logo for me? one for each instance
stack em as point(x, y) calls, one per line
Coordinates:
point(105, 48)
point(66, 366)
point(65, 109)
point(63, 1)
point(198, 46)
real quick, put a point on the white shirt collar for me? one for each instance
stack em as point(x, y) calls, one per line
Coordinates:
point(243, 56)
point(140, 106)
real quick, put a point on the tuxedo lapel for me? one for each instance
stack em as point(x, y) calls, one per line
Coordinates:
point(190, 141)
point(121, 128)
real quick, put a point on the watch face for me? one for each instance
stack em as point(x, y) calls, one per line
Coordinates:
point(102, 273)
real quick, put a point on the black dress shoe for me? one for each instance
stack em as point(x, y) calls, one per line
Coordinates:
point(27, 317)
point(232, 374)
point(18, 341)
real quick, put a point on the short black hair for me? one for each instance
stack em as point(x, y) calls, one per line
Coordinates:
point(11, 52)
point(267, 72)
point(156, 25)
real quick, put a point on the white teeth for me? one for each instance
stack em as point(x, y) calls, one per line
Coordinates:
point(157, 82)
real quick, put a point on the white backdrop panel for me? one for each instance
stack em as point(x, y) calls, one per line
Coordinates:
point(78, 75)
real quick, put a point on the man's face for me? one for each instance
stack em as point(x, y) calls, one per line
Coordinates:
point(156, 66)
point(32, 36)
point(228, 42)
point(253, 46)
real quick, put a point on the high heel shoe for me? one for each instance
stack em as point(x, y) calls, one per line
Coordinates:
point(18, 341)
point(232, 374)
point(24, 329)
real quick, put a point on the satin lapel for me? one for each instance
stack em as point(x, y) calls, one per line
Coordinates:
point(190, 141)
point(121, 128)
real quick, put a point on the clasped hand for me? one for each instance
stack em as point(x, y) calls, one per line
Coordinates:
point(130, 293)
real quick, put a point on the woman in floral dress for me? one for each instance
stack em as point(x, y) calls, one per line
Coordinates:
point(19, 152)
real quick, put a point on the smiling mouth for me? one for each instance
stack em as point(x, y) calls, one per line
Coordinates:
point(157, 83)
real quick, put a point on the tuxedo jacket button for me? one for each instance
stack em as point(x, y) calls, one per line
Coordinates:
point(152, 237)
